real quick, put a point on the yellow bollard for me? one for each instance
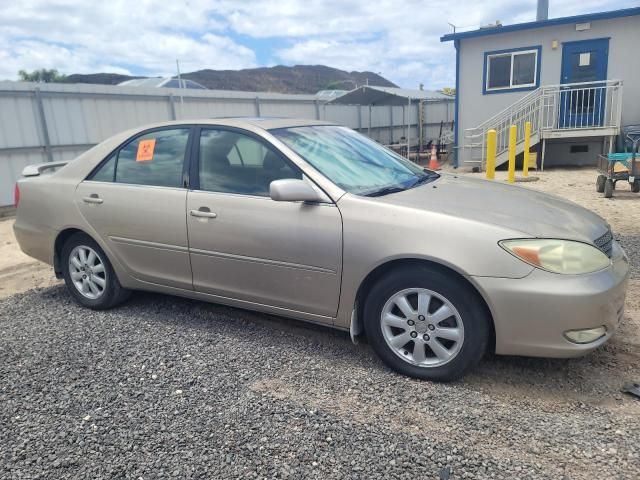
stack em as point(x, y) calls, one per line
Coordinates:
point(491, 154)
point(527, 146)
point(513, 132)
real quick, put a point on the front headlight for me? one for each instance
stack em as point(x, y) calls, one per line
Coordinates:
point(558, 256)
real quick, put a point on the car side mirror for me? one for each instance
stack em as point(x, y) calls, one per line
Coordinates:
point(294, 190)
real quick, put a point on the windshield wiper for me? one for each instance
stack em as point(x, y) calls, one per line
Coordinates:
point(385, 191)
point(428, 177)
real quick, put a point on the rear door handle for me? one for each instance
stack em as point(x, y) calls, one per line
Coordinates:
point(203, 213)
point(93, 199)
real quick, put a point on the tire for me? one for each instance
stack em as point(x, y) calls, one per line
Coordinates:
point(635, 186)
point(600, 183)
point(88, 274)
point(469, 317)
point(608, 188)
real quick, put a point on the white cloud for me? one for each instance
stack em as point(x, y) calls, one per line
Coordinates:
point(77, 36)
point(399, 39)
point(407, 49)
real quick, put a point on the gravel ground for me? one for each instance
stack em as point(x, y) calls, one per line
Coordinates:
point(166, 387)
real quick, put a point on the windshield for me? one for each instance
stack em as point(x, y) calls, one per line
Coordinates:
point(352, 161)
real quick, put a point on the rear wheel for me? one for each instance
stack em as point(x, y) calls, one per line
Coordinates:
point(635, 186)
point(608, 188)
point(88, 274)
point(426, 323)
point(600, 183)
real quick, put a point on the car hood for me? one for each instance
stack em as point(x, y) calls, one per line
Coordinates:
point(532, 213)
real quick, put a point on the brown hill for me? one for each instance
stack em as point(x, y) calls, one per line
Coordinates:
point(281, 79)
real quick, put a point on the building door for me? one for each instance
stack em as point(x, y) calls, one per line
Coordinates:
point(583, 63)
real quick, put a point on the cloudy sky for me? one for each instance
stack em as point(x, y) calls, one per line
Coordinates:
point(399, 39)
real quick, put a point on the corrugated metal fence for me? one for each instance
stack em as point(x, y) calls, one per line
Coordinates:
point(46, 122)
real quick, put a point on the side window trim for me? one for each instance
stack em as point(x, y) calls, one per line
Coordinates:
point(115, 164)
point(186, 161)
point(195, 152)
point(194, 159)
point(239, 154)
point(115, 161)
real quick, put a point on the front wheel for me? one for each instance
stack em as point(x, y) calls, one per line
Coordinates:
point(88, 274)
point(635, 186)
point(609, 186)
point(600, 183)
point(426, 323)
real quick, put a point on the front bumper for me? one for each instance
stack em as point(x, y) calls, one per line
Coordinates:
point(531, 314)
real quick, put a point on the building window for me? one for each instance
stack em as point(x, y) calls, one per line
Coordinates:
point(579, 149)
point(512, 69)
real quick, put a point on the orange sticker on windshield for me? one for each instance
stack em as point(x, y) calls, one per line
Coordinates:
point(145, 150)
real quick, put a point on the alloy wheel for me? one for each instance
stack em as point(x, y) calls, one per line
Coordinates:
point(87, 272)
point(422, 327)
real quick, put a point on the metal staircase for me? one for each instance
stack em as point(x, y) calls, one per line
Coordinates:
point(555, 111)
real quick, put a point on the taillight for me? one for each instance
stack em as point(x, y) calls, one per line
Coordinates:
point(16, 195)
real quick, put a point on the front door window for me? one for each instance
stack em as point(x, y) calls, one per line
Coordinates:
point(232, 162)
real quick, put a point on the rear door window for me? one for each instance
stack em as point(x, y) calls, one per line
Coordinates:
point(155, 158)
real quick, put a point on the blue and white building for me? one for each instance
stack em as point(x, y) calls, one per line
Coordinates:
point(576, 79)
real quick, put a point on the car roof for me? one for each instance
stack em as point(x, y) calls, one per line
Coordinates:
point(264, 123)
point(268, 123)
point(247, 123)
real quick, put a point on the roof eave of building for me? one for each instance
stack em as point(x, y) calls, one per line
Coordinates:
point(587, 17)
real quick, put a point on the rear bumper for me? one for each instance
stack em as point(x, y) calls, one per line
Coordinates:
point(531, 314)
point(35, 240)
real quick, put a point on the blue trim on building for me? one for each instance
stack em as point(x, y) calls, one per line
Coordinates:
point(456, 44)
point(515, 89)
point(588, 17)
point(587, 40)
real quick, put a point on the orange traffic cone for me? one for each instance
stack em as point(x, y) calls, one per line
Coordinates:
point(433, 163)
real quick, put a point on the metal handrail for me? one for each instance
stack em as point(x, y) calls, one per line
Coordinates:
point(510, 108)
point(536, 92)
point(569, 106)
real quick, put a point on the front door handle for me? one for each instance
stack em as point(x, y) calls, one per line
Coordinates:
point(93, 198)
point(203, 213)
